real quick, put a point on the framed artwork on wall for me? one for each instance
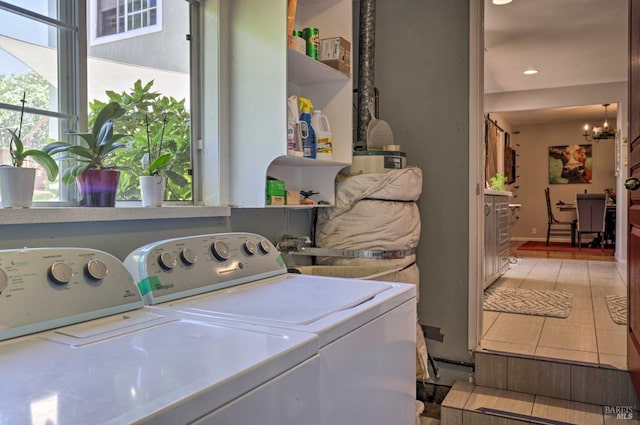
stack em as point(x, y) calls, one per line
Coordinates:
point(570, 164)
point(510, 165)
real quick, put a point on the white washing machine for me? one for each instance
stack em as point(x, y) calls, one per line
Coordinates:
point(77, 346)
point(366, 328)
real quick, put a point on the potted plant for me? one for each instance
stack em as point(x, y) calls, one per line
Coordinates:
point(498, 181)
point(97, 179)
point(153, 182)
point(17, 181)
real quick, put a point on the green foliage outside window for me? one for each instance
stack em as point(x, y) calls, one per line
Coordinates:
point(142, 104)
point(35, 129)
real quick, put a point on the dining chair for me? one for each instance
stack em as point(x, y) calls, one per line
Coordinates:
point(556, 227)
point(591, 210)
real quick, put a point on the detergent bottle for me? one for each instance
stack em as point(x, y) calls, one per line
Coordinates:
point(307, 132)
point(294, 142)
point(324, 142)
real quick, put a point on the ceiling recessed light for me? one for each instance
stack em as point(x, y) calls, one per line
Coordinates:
point(530, 71)
point(501, 2)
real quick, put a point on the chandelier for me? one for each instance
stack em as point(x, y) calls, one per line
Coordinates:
point(597, 133)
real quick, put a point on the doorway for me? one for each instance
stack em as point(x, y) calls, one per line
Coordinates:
point(589, 334)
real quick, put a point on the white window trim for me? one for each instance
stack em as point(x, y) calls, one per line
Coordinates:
point(94, 40)
point(214, 146)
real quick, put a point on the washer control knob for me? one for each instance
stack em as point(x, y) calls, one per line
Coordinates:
point(265, 246)
point(60, 273)
point(250, 247)
point(4, 279)
point(96, 269)
point(188, 256)
point(167, 260)
point(220, 250)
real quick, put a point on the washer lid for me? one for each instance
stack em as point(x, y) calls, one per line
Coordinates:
point(286, 300)
point(170, 372)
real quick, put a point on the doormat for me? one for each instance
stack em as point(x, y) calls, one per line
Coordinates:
point(563, 247)
point(617, 305)
point(534, 302)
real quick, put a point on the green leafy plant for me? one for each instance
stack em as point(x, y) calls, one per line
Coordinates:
point(19, 154)
point(497, 182)
point(168, 121)
point(99, 146)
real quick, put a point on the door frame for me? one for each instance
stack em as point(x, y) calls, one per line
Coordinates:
point(613, 93)
point(476, 171)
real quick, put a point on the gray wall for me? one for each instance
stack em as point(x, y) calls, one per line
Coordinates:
point(422, 72)
point(120, 238)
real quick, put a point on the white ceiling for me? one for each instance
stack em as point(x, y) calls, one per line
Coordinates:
point(571, 43)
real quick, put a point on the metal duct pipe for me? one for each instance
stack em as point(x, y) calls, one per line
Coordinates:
point(366, 65)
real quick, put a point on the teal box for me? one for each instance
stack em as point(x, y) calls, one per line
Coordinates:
point(276, 187)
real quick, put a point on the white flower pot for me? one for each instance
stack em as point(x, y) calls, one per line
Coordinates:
point(16, 186)
point(152, 190)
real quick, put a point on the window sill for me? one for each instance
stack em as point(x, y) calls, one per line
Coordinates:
point(123, 212)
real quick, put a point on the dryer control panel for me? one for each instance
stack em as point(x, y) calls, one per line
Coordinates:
point(177, 268)
point(44, 288)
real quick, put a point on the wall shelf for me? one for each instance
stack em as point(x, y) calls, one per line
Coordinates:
point(303, 70)
point(263, 72)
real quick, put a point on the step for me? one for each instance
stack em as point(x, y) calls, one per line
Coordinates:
point(580, 382)
point(471, 404)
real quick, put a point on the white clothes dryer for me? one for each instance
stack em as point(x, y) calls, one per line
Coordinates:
point(366, 329)
point(77, 346)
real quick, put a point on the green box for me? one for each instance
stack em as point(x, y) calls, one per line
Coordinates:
point(276, 187)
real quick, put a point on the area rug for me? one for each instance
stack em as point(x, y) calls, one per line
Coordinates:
point(617, 305)
point(563, 247)
point(535, 302)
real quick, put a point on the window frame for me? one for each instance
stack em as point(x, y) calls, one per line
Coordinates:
point(71, 68)
point(208, 199)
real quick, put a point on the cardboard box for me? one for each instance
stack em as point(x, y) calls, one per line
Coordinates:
point(276, 200)
point(293, 197)
point(276, 187)
point(336, 48)
point(339, 65)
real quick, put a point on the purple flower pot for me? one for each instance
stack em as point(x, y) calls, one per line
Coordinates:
point(98, 187)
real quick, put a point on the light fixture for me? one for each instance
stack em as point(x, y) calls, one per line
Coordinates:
point(598, 133)
point(501, 2)
point(530, 71)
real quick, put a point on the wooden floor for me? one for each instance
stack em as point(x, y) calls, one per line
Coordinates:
point(555, 254)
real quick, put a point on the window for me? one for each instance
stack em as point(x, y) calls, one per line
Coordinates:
point(39, 75)
point(150, 75)
point(113, 20)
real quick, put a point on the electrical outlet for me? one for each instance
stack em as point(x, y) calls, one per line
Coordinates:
point(533, 230)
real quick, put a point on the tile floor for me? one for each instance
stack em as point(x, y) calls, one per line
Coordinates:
point(587, 336)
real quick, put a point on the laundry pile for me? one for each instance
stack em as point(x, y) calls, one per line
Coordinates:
point(377, 212)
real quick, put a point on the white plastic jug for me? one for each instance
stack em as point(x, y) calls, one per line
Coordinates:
point(294, 138)
point(320, 124)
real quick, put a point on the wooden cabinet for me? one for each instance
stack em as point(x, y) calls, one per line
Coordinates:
point(496, 237)
point(262, 73)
